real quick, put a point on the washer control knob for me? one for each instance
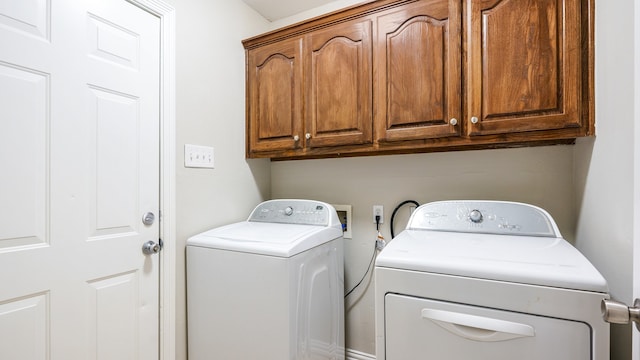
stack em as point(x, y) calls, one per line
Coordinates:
point(475, 216)
point(288, 211)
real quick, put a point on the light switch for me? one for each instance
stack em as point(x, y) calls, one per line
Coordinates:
point(198, 156)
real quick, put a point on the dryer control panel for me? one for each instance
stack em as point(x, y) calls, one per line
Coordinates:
point(295, 211)
point(491, 217)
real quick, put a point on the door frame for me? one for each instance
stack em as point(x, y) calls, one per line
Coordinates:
point(167, 294)
point(635, 337)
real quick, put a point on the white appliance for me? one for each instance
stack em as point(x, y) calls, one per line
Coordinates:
point(270, 288)
point(487, 280)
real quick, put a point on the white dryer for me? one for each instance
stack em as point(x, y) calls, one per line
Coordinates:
point(271, 287)
point(487, 280)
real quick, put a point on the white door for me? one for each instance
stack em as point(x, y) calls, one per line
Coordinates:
point(79, 166)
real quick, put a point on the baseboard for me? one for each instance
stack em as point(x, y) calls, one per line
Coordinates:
point(357, 355)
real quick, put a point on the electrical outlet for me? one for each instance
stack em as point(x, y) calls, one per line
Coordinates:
point(378, 210)
point(197, 156)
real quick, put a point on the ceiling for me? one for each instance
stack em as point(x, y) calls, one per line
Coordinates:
point(277, 9)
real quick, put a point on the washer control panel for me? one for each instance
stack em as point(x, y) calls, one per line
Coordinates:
point(493, 217)
point(303, 212)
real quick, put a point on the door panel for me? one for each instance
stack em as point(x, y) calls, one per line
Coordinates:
point(112, 302)
point(28, 17)
point(23, 104)
point(116, 122)
point(24, 323)
point(79, 150)
point(112, 43)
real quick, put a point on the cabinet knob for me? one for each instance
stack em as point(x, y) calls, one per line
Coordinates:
point(296, 138)
point(474, 119)
point(453, 121)
point(307, 136)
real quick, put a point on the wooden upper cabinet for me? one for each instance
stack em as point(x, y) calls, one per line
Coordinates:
point(418, 83)
point(274, 96)
point(524, 66)
point(404, 76)
point(339, 80)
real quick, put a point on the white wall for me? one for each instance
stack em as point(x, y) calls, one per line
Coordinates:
point(210, 111)
point(541, 176)
point(604, 166)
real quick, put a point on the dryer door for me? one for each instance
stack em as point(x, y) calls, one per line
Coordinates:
point(419, 328)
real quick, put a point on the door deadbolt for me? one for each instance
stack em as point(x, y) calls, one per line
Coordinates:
point(148, 218)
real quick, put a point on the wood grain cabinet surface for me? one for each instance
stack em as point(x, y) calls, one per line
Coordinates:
point(339, 82)
point(417, 61)
point(275, 79)
point(403, 76)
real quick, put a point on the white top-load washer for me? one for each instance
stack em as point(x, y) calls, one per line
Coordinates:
point(487, 280)
point(271, 287)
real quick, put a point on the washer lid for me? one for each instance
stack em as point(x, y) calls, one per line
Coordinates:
point(281, 227)
point(282, 240)
point(546, 261)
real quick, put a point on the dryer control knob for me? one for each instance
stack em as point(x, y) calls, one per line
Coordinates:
point(475, 216)
point(288, 211)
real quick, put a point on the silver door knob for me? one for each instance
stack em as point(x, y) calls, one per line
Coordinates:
point(150, 247)
point(296, 138)
point(307, 136)
point(616, 312)
point(453, 121)
point(474, 120)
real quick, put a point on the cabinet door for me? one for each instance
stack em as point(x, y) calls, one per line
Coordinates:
point(418, 71)
point(274, 90)
point(339, 85)
point(524, 65)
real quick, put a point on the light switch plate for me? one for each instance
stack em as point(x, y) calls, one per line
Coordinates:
point(198, 156)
